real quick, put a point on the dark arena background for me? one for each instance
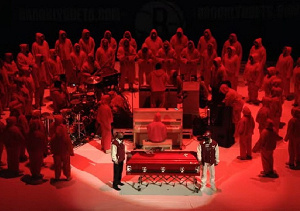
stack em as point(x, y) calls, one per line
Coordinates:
point(275, 21)
point(239, 186)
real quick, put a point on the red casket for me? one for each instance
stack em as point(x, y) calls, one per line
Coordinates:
point(163, 162)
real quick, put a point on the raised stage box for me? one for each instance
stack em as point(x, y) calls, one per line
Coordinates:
point(144, 97)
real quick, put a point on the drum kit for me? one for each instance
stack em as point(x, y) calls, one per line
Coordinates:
point(81, 115)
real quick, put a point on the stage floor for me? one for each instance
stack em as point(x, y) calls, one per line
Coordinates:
point(239, 187)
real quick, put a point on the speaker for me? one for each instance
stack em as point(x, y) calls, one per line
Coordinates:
point(221, 127)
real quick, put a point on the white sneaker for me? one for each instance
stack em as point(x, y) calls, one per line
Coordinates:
point(214, 189)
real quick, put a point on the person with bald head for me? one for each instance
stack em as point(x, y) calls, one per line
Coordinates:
point(284, 66)
point(245, 130)
point(105, 119)
point(64, 48)
point(118, 152)
point(40, 46)
point(157, 130)
point(61, 148)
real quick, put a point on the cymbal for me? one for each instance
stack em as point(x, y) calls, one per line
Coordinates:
point(75, 102)
point(93, 80)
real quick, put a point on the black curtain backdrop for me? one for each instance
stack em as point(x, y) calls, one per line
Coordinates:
point(276, 22)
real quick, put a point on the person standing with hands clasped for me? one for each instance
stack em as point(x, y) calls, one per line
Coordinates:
point(208, 156)
point(118, 157)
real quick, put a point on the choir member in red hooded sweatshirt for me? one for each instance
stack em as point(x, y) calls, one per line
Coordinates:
point(251, 76)
point(234, 100)
point(244, 130)
point(233, 41)
point(259, 49)
point(78, 57)
point(158, 80)
point(166, 55)
point(231, 62)
point(13, 140)
point(86, 42)
point(64, 48)
point(36, 142)
point(296, 73)
point(178, 42)
point(111, 40)
point(284, 66)
point(105, 119)
point(126, 55)
point(40, 80)
point(293, 137)
point(22, 124)
point(190, 57)
point(156, 130)
point(263, 113)
point(61, 148)
point(206, 64)
point(145, 61)
point(204, 40)
point(59, 97)
point(266, 145)
point(40, 46)
point(2, 129)
point(154, 42)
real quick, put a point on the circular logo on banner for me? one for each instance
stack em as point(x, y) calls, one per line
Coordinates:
point(163, 16)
